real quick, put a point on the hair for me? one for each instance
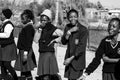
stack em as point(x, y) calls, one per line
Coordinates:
point(29, 14)
point(72, 10)
point(7, 13)
point(114, 19)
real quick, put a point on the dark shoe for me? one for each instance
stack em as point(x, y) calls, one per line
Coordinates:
point(29, 78)
point(38, 78)
point(21, 78)
point(56, 77)
point(6, 77)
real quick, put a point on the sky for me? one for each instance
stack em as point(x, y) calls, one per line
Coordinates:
point(108, 3)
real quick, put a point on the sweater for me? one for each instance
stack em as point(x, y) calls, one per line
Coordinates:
point(46, 38)
point(25, 38)
point(6, 41)
point(110, 51)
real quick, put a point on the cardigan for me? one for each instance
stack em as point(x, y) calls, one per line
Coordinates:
point(46, 37)
point(110, 51)
point(25, 38)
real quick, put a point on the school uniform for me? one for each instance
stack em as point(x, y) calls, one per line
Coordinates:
point(24, 43)
point(47, 64)
point(76, 46)
point(8, 50)
point(110, 51)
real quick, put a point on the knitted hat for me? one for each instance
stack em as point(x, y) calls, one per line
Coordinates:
point(47, 13)
point(7, 13)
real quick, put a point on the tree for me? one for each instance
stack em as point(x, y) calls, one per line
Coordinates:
point(99, 5)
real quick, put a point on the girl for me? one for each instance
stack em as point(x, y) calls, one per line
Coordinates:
point(109, 51)
point(26, 58)
point(49, 34)
point(75, 36)
point(8, 50)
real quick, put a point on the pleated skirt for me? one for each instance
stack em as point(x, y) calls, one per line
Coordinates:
point(8, 52)
point(108, 76)
point(29, 65)
point(47, 64)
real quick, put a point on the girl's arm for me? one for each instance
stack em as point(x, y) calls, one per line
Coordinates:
point(64, 39)
point(7, 31)
point(111, 60)
point(59, 33)
point(37, 35)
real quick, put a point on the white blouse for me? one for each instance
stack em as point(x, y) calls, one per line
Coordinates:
point(7, 30)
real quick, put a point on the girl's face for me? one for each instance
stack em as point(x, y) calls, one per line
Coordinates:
point(25, 19)
point(113, 28)
point(73, 18)
point(2, 17)
point(44, 20)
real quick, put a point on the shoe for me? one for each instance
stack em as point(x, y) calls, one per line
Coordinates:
point(29, 78)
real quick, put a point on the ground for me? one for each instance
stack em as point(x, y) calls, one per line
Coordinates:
point(60, 53)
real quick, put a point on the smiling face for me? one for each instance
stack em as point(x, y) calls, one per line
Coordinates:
point(114, 28)
point(73, 18)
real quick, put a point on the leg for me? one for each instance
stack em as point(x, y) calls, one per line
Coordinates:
point(71, 79)
point(46, 77)
point(7, 65)
point(27, 74)
point(3, 69)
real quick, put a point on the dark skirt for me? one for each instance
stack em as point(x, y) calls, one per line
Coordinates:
point(108, 76)
point(47, 64)
point(29, 65)
point(71, 73)
point(8, 53)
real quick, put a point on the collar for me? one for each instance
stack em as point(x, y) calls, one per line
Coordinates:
point(31, 22)
point(6, 20)
point(108, 40)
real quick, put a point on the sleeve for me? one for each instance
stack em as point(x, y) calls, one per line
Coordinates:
point(29, 38)
point(58, 33)
point(81, 47)
point(7, 31)
point(63, 39)
point(97, 59)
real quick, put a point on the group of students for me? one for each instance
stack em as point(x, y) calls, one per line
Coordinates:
point(46, 35)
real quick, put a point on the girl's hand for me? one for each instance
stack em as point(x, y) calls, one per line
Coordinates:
point(52, 42)
point(74, 29)
point(67, 61)
point(68, 34)
point(83, 77)
point(25, 56)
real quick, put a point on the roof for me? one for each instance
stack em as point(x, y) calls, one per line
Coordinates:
point(114, 11)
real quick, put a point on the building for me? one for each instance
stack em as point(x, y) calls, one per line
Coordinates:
point(114, 13)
